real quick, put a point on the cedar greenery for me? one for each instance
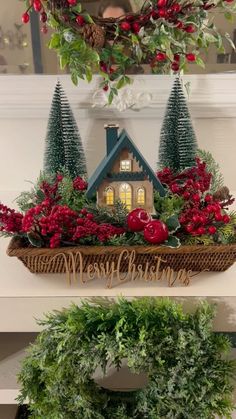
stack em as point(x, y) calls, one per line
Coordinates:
point(189, 373)
point(213, 167)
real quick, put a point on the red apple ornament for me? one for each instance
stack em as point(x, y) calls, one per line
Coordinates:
point(137, 219)
point(156, 232)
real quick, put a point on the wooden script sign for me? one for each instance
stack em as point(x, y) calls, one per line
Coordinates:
point(125, 267)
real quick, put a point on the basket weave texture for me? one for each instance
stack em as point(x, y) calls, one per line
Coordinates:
point(216, 258)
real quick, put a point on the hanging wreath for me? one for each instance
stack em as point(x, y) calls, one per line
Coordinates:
point(188, 373)
point(165, 34)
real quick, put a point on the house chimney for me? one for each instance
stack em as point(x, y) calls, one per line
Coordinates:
point(111, 136)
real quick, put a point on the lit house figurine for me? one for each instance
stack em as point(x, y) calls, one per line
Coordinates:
point(124, 174)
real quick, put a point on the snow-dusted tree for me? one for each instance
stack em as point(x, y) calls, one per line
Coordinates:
point(64, 149)
point(178, 144)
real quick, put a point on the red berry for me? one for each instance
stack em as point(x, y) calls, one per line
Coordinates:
point(137, 219)
point(80, 20)
point(90, 216)
point(179, 25)
point(177, 58)
point(226, 219)
point(189, 28)
point(80, 221)
point(175, 66)
point(43, 17)
point(155, 14)
point(37, 5)
point(176, 8)
point(197, 185)
point(162, 13)
point(72, 2)
point(191, 57)
point(161, 56)
point(25, 17)
point(162, 3)
point(189, 228)
point(196, 197)
point(130, 18)
point(202, 219)
point(136, 27)
point(196, 218)
point(201, 231)
point(212, 230)
point(208, 198)
point(106, 88)
point(218, 216)
point(83, 211)
point(125, 26)
point(186, 195)
point(156, 232)
point(229, 1)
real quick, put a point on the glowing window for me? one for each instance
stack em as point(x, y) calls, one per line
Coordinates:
point(126, 195)
point(109, 196)
point(141, 196)
point(125, 165)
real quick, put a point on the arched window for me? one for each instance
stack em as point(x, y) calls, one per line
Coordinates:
point(141, 196)
point(109, 192)
point(126, 195)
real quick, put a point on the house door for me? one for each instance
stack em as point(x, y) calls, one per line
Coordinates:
point(126, 195)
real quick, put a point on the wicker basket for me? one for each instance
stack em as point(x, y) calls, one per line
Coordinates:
point(216, 258)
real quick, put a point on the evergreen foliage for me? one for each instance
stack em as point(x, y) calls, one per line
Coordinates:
point(213, 167)
point(64, 147)
point(189, 372)
point(178, 144)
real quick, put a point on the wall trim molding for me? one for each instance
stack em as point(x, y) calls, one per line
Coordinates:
point(29, 97)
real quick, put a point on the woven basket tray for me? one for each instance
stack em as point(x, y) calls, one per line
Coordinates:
point(216, 258)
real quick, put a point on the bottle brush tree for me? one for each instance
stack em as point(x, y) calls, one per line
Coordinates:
point(178, 144)
point(64, 149)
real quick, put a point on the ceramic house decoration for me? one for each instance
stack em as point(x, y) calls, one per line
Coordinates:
point(124, 174)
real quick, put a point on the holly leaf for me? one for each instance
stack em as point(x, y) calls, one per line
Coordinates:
point(35, 239)
point(173, 223)
point(200, 62)
point(172, 242)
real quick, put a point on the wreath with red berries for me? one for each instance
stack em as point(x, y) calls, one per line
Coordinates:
point(164, 34)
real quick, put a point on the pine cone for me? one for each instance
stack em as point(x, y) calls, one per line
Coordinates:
point(223, 194)
point(94, 35)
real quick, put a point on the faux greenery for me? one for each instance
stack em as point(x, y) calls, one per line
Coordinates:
point(64, 149)
point(179, 31)
point(214, 168)
point(178, 144)
point(189, 373)
point(65, 193)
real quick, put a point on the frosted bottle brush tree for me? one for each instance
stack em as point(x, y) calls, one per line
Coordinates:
point(178, 144)
point(63, 149)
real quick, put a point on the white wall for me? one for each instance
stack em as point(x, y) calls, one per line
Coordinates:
point(25, 103)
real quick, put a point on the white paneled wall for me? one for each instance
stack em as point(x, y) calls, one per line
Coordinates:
point(25, 103)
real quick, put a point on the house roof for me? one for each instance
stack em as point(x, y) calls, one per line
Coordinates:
point(106, 164)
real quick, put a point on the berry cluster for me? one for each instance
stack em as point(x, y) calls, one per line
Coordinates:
point(87, 228)
point(79, 184)
point(57, 224)
point(202, 213)
point(37, 5)
point(190, 183)
point(10, 220)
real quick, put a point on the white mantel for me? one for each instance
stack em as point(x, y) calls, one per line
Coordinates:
point(211, 96)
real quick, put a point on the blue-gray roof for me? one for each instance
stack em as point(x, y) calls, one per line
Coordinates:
point(106, 164)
